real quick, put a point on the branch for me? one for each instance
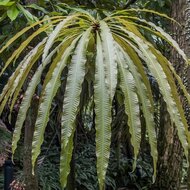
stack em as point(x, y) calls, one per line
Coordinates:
point(130, 2)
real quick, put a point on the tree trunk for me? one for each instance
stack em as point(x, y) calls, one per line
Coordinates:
point(31, 181)
point(170, 155)
point(170, 150)
point(181, 12)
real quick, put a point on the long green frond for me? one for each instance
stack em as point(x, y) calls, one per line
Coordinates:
point(145, 101)
point(167, 67)
point(75, 79)
point(103, 119)
point(54, 34)
point(46, 100)
point(18, 77)
point(165, 88)
point(109, 56)
point(24, 71)
point(164, 36)
point(129, 11)
point(128, 47)
point(66, 156)
point(24, 30)
point(131, 102)
point(25, 104)
point(24, 44)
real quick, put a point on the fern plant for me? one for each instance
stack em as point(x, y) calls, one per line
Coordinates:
point(109, 54)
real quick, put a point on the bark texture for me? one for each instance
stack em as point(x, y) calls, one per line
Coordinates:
point(181, 12)
point(170, 155)
point(31, 181)
point(170, 150)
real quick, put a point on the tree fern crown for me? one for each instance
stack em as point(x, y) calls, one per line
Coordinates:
point(119, 59)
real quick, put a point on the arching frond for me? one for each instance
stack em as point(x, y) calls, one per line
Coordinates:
point(129, 11)
point(103, 106)
point(46, 100)
point(75, 79)
point(25, 104)
point(158, 31)
point(73, 89)
point(24, 44)
point(24, 30)
point(109, 56)
point(167, 69)
point(145, 101)
point(54, 34)
point(24, 71)
point(128, 87)
point(164, 86)
point(20, 72)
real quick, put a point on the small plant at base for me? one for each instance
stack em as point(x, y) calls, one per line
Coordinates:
point(17, 185)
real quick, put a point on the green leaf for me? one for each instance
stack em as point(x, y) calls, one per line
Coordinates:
point(22, 46)
point(169, 70)
point(7, 90)
point(103, 119)
point(164, 36)
point(110, 57)
point(6, 3)
point(66, 156)
point(146, 101)
point(18, 77)
point(24, 71)
point(73, 87)
point(24, 30)
point(145, 96)
point(13, 12)
point(129, 49)
point(35, 6)
point(128, 11)
point(165, 64)
point(164, 86)
point(54, 34)
point(31, 18)
point(47, 96)
point(131, 102)
point(25, 104)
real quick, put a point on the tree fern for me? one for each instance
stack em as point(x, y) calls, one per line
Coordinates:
point(122, 57)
